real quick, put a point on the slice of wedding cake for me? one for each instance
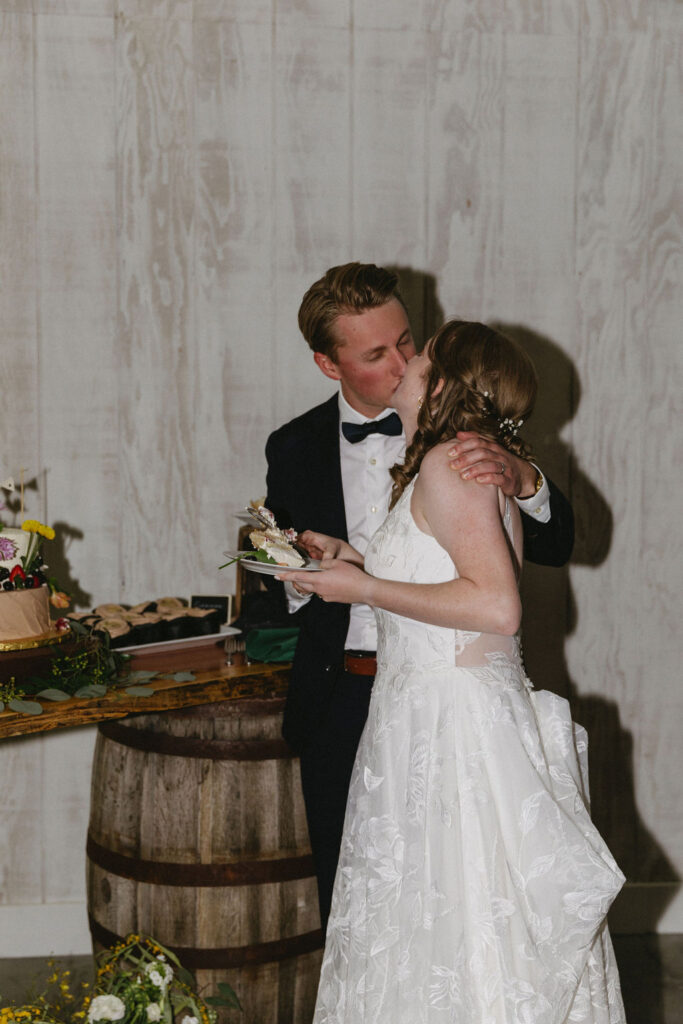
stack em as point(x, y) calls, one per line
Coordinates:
point(276, 543)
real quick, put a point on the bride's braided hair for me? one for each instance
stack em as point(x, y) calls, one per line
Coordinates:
point(489, 386)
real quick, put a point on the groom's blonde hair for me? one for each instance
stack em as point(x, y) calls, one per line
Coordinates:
point(349, 288)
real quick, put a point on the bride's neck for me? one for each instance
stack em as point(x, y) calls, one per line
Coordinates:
point(409, 428)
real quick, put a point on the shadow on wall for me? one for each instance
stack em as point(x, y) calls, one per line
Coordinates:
point(418, 291)
point(551, 614)
point(60, 567)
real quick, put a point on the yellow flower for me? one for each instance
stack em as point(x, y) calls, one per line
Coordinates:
point(33, 526)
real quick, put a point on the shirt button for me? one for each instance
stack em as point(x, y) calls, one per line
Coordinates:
point(373, 462)
point(537, 512)
point(374, 508)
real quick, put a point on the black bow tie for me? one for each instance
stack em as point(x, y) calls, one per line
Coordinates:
point(355, 432)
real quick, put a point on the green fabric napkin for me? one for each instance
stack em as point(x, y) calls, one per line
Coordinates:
point(272, 644)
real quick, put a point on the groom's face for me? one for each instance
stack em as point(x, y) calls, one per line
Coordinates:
point(371, 356)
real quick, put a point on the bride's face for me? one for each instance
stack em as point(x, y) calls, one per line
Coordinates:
point(406, 398)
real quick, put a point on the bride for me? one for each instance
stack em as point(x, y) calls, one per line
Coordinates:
point(472, 886)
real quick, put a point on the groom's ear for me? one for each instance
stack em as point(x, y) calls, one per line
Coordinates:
point(325, 364)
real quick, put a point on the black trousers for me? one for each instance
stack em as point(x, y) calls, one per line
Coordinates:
point(326, 766)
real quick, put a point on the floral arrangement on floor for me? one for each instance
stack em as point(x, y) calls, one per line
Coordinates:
point(139, 981)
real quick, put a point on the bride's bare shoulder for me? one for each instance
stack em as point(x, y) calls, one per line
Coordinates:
point(436, 475)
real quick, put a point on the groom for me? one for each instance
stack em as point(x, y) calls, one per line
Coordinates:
point(328, 471)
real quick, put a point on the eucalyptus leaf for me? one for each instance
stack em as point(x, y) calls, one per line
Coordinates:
point(92, 690)
point(183, 677)
point(139, 675)
point(139, 691)
point(184, 975)
point(53, 694)
point(2, 705)
point(26, 707)
point(259, 555)
point(227, 997)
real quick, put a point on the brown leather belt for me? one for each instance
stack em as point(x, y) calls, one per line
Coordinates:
point(358, 664)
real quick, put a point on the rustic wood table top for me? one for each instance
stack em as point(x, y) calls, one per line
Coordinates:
point(214, 680)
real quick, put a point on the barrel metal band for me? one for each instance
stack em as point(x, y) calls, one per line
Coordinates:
point(252, 872)
point(260, 707)
point(216, 959)
point(195, 746)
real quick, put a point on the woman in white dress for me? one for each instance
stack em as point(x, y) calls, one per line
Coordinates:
point(472, 886)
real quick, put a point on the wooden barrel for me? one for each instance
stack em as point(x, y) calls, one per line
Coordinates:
point(198, 837)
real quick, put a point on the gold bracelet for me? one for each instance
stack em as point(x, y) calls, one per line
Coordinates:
point(537, 487)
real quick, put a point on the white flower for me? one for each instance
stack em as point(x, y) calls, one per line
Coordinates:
point(152, 971)
point(153, 1012)
point(106, 1008)
point(189, 1020)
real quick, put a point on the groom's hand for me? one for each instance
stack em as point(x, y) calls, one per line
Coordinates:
point(477, 458)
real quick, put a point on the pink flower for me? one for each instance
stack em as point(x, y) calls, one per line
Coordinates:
point(8, 549)
point(58, 599)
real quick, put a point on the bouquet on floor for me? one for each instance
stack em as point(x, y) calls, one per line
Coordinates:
point(139, 981)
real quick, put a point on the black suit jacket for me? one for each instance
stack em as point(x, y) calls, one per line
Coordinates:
point(304, 488)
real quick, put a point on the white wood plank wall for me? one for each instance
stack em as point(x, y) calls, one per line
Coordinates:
point(174, 174)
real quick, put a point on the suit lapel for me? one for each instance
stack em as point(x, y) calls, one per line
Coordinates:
point(329, 485)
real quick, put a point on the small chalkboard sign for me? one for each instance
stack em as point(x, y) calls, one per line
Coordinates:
point(221, 602)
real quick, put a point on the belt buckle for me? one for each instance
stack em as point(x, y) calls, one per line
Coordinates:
point(360, 664)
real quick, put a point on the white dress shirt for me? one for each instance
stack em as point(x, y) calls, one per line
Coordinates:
point(367, 490)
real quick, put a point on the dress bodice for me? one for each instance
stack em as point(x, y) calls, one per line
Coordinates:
point(400, 550)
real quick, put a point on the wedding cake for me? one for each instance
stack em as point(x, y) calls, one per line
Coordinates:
point(24, 591)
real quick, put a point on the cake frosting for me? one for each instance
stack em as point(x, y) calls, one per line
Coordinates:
point(277, 543)
point(24, 613)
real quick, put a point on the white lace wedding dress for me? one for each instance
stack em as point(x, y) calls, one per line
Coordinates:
point(472, 886)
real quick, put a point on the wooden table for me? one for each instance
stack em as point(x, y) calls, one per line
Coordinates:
point(215, 680)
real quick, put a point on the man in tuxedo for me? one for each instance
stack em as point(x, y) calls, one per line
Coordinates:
point(328, 471)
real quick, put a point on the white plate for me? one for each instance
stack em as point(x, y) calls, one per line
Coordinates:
point(187, 641)
point(313, 565)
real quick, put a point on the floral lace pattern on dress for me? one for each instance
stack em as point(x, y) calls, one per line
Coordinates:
point(472, 886)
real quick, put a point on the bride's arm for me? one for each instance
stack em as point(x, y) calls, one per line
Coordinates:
point(464, 518)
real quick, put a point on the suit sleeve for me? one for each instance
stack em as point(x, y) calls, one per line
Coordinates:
point(278, 482)
point(550, 543)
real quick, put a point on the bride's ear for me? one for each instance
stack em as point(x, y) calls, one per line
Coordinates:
point(439, 387)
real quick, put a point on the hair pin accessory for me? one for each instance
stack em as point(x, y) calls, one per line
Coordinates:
point(508, 426)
